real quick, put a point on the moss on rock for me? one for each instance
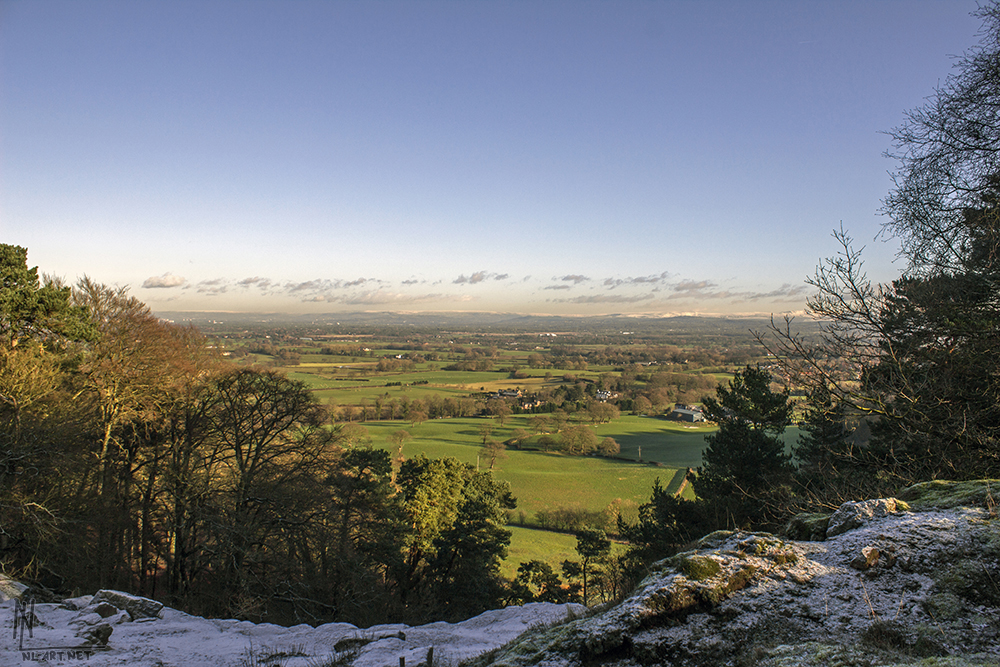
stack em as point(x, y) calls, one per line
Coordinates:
point(698, 568)
point(941, 494)
point(809, 527)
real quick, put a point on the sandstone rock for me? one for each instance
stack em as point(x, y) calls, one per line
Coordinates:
point(944, 494)
point(807, 527)
point(77, 603)
point(10, 589)
point(105, 609)
point(866, 559)
point(97, 635)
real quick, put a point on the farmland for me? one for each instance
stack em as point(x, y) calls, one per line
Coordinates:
point(505, 402)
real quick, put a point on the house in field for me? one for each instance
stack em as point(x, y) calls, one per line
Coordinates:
point(685, 413)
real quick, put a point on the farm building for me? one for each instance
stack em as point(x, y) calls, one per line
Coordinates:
point(686, 414)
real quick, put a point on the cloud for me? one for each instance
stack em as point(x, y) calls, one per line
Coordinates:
point(557, 287)
point(164, 281)
point(704, 290)
point(656, 278)
point(318, 285)
point(262, 284)
point(478, 277)
point(374, 298)
point(381, 297)
point(575, 279)
point(215, 286)
point(786, 291)
point(693, 286)
point(607, 298)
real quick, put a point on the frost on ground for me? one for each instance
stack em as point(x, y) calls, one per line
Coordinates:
point(76, 632)
point(907, 581)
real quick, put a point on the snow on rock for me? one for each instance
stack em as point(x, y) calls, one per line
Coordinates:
point(137, 607)
point(894, 583)
point(10, 589)
point(100, 632)
point(898, 587)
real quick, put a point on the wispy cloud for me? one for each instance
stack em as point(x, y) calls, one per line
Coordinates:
point(705, 290)
point(575, 279)
point(215, 286)
point(375, 298)
point(557, 287)
point(607, 298)
point(478, 277)
point(383, 297)
point(164, 281)
point(654, 279)
point(263, 284)
point(692, 286)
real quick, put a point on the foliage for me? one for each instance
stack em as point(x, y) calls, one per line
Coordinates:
point(536, 581)
point(592, 544)
point(578, 440)
point(452, 554)
point(137, 458)
point(745, 466)
point(29, 309)
point(666, 524)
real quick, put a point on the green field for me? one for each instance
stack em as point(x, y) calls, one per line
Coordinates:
point(539, 480)
point(533, 544)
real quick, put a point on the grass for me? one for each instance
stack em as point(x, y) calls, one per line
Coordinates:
point(533, 544)
point(671, 443)
point(539, 480)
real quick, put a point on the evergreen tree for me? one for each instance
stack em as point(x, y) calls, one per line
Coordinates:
point(745, 468)
point(666, 523)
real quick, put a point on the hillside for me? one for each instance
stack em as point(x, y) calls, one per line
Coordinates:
point(913, 580)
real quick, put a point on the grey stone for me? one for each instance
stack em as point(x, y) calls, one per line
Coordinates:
point(853, 515)
point(136, 606)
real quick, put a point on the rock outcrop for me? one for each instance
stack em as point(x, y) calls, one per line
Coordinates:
point(895, 581)
point(913, 580)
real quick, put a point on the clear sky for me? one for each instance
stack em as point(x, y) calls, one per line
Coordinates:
point(532, 156)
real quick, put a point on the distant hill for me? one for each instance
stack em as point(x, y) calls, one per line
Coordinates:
point(489, 322)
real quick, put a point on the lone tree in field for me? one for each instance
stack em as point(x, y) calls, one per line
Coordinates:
point(745, 464)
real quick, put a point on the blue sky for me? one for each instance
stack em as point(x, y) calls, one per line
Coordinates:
point(535, 157)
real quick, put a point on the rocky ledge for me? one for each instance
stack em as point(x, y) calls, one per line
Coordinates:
point(897, 581)
point(913, 580)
